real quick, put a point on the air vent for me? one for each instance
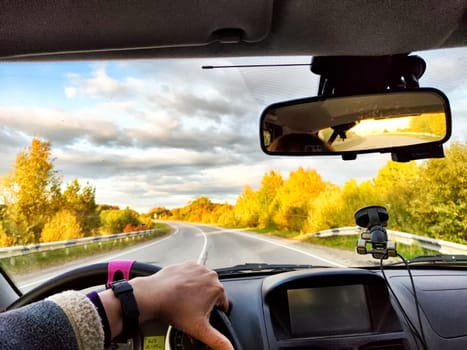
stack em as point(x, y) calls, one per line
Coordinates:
point(384, 345)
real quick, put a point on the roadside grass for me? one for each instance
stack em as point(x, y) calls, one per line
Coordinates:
point(343, 242)
point(36, 261)
point(274, 232)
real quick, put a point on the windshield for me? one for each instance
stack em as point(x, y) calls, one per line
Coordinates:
point(168, 154)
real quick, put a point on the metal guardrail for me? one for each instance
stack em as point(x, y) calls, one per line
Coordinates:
point(440, 246)
point(42, 247)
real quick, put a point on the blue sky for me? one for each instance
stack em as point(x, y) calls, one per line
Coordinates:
point(160, 133)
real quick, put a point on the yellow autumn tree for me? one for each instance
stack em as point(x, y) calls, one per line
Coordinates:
point(336, 206)
point(31, 192)
point(5, 239)
point(63, 226)
point(322, 209)
point(246, 208)
point(266, 195)
point(293, 197)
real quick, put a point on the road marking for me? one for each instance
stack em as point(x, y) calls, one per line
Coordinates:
point(287, 247)
point(112, 257)
point(203, 255)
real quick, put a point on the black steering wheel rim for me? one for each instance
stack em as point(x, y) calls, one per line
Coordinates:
point(79, 278)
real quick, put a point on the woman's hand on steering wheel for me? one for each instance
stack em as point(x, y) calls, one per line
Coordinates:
point(184, 295)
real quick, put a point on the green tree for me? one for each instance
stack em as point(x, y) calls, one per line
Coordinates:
point(439, 207)
point(115, 221)
point(396, 186)
point(81, 201)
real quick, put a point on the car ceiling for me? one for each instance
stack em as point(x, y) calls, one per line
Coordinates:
point(68, 29)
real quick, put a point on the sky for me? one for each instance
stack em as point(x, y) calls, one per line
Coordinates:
point(152, 133)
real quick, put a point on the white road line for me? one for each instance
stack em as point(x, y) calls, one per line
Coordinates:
point(201, 256)
point(203, 251)
point(37, 282)
point(287, 247)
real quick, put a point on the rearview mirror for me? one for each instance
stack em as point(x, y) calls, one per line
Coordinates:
point(349, 125)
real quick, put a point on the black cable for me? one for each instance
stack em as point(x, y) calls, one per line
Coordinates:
point(417, 304)
point(411, 325)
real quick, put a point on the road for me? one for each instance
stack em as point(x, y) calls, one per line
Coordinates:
point(378, 141)
point(209, 245)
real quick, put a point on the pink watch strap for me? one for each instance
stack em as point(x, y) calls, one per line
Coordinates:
point(122, 266)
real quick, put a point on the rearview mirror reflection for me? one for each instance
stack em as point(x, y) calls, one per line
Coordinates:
point(356, 124)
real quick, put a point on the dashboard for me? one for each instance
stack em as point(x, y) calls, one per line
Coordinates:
point(339, 309)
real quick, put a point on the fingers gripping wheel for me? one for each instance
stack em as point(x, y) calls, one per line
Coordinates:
point(219, 320)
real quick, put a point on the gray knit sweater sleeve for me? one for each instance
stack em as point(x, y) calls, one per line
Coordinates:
point(64, 321)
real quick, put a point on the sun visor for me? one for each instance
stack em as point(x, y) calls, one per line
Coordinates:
point(116, 25)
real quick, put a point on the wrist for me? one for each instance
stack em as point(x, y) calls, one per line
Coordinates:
point(113, 310)
point(147, 302)
point(123, 291)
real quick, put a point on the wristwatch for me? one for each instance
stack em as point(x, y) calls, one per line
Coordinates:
point(130, 313)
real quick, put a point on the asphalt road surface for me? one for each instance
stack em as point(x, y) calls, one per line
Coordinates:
point(378, 141)
point(212, 246)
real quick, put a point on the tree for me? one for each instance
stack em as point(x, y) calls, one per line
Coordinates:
point(63, 226)
point(115, 221)
point(398, 185)
point(101, 207)
point(5, 239)
point(223, 214)
point(324, 209)
point(30, 192)
point(440, 205)
point(246, 208)
point(159, 213)
point(433, 124)
point(199, 210)
point(81, 201)
point(270, 185)
point(293, 197)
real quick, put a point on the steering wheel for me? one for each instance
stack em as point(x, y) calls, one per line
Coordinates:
point(97, 274)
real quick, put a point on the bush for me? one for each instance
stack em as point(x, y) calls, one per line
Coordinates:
point(62, 226)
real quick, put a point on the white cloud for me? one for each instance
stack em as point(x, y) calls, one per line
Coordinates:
point(155, 133)
point(70, 91)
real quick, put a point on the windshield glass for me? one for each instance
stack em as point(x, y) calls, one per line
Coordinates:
point(169, 155)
